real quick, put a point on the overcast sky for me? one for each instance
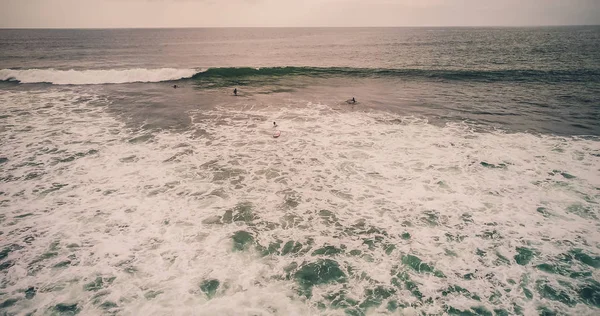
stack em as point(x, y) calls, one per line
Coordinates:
point(214, 13)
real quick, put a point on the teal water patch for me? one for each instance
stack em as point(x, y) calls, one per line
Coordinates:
point(430, 218)
point(62, 264)
point(562, 173)
point(589, 293)
point(3, 160)
point(562, 269)
point(455, 238)
point(33, 176)
point(457, 290)
point(567, 176)
point(329, 250)
point(8, 249)
point(24, 215)
point(584, 258)
point(242, 240)
point(98, 284)
point(490, 234)
point(141, 139)
point(554, 293)
point(273, 248)
point(322, 271)
point(421, 267)
point(374, 297)
point(493, 166)
point(30, 292)
point(340, 299)
point(177, 156)
point(373, 242)
point(328, 218)
point(210, 287)
point(107, 305)
point(129, 159)
point(545, 311)
point(501, 312)
point(152, 294)
point(524, 255)
point(8, 303)
point(501, 260)
point(53, 188)
point(33, 265)
point(99, 296)
point(362, 228)
point(467, 218)
point(544, 211)
point(77, 156)
point(290, 220)
point(242, 212)
point(582, 211)
point(63, 309)
point(389, 248)
point(234, 175)
point(403, 281)
point(291, 247)
point(473, 311)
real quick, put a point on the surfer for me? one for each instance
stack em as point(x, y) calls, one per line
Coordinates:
point(235, 91)
point(174, 86)
point(353, 100)
point(274, 124)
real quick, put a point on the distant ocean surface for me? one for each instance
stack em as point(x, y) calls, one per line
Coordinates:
point(465, 180)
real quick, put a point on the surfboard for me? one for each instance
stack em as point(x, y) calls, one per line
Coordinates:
point(276, 134)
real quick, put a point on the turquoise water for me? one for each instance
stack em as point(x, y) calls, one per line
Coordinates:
point(464, 181)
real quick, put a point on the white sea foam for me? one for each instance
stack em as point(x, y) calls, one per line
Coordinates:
point(144, 208)
point(84, 77)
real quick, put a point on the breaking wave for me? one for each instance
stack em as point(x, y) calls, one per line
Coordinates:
point(236, 75)
point(81, 77)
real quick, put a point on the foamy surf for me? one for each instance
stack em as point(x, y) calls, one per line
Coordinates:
point(345, 213)
point(89, 77)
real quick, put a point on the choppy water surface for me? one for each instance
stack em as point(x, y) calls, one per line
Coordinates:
point(460, 191)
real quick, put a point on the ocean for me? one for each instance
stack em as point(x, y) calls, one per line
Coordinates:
point(464, 180)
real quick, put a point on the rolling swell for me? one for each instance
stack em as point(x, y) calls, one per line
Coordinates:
point(223, 75)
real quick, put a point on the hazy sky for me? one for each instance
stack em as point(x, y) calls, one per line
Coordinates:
point(190, 13)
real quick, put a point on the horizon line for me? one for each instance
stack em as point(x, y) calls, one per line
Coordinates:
point(293, 27)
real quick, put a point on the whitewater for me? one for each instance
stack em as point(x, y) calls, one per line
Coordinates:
point(325, 219)
point(86, 77)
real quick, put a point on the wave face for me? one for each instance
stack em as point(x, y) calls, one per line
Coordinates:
point(466, 75)
point(77, 77)
point(234, 75)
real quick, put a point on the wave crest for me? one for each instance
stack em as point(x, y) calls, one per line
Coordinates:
point(215, 77)
point(80, 77)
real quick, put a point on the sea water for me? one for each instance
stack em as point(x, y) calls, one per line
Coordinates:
point(465, 180)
